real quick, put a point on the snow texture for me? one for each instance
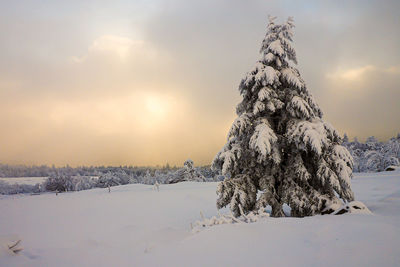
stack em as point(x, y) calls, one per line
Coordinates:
point(137, 226)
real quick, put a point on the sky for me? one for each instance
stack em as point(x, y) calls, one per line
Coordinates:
point(153, 82)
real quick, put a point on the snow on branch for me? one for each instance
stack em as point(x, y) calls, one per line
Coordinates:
point(308, 133)
point(300, 170)
point(342, 160)
point(239, 125)
point(258, 107)
point(269, 57)
point(205, 223)
point(266, 93)
point(271, 19)
point(299, 108)
point(290, 21)
point(292, 77)
point(267, 75)
point(286, 38)
point(328, 176)
point(311, 102)
point(260, 75)
point(226, 158)
point(14, 247)
point(263, 139)
point(331, 133)
point(271, 106)
point(276, 48)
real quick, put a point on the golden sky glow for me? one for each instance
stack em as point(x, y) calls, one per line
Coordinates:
point(151, 82)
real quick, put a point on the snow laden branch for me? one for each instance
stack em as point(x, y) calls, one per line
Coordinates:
point(308, 135)
point(205, 223)
point(263, 140)
point(240, 125)
point(14, 247)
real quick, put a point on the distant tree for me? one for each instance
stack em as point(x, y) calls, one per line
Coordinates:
point(149, 178)
point(372, 143)
point(59, 182)
point(108, 179)
point(380, 160)
point(393, 146)
point(374, 155)
point(122, 176)
point(187, 173)
point(345, 139)
point(279, 144)
point(84, 182)
point(156, 186)
point(382, 155)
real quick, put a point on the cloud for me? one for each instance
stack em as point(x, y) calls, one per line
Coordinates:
point(156, 81)
point(355, 74)
point(123, 102)
point(119, 47)
point(363, 101)
point(394, 70)
point(361, 73)
point(142, 128)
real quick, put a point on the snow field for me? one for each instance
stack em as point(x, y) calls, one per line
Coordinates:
point(135, 225)
point(23, 180)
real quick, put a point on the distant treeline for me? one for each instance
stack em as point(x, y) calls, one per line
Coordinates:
point(369, 156)
point(46, 171)
point(373, 155)
point(82, 178)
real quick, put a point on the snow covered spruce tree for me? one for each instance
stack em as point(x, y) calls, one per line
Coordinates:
point(279, 144)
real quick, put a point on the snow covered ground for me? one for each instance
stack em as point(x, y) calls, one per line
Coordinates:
point(137, 226)
point(24, 180)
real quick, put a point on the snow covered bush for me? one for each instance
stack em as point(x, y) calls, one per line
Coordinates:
point(84, 182)
point(279, 144)
point(228, 219)
point(122, 177)
point(59, 182)
point(108, 179)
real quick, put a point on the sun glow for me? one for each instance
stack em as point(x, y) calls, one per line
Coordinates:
point(157, 110)
point(355, 74)
point(156, 106)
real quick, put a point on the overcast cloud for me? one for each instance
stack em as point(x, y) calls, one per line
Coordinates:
point(151, 82)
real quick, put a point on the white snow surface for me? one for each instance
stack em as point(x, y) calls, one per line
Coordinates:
point(23, 180)
point(137, 226)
